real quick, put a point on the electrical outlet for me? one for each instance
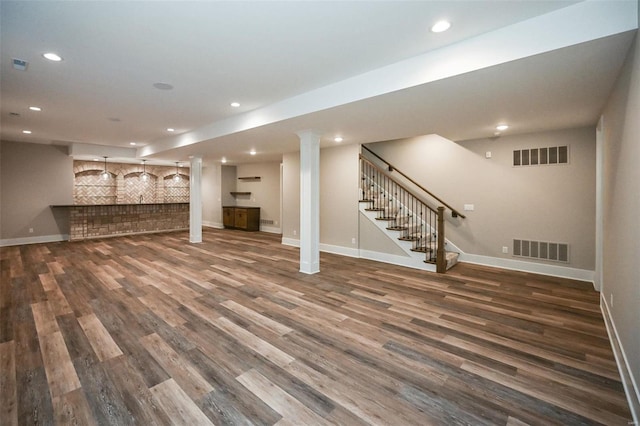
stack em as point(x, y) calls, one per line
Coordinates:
point(31, 230)
point(505, 249)
point(353, 241)
point(295, 232)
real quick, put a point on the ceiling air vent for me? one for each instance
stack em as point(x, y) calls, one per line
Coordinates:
point(20, 64)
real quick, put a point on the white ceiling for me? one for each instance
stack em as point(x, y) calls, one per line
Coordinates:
point(265, 53)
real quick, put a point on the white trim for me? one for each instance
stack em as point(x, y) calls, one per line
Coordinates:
point(34, 240)
point(195, 200)
point(600, 144)
point(395, 259)
point(216, 225)
point(271, 229)
point(536, 268)
point(290, 242)
point(340, 250)
point(631, 388)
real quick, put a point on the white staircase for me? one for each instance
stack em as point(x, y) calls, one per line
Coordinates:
point(415, 258)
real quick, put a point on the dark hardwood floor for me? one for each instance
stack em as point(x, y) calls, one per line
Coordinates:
point(154, 330)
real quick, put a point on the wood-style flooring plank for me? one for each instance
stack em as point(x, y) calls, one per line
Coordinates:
point(8, 387)
point(177, 405)
point(151, 329)
point(99, 338)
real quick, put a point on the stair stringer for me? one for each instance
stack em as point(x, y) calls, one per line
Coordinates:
point(414, 259)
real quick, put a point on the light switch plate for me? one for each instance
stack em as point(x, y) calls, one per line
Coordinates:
point(469, 207)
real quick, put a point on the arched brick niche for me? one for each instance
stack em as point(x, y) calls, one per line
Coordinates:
point(126, 185)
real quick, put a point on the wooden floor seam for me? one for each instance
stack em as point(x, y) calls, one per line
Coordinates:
point(152, 329)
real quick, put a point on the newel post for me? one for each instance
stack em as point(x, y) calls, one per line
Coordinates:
point(441, 258)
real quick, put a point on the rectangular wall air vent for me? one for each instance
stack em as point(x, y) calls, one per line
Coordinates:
point(541, 156)
point(266, 221)
point(558, 252)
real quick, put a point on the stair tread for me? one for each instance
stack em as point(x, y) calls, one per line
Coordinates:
point(386, 218)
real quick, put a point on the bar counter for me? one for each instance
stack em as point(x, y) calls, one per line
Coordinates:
point(105, 220)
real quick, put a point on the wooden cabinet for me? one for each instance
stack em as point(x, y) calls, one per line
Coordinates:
point(246, 218)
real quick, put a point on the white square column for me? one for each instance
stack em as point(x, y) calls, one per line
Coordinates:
point(309, 201)
point(195, 200)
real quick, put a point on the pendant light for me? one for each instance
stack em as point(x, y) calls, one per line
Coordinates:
point(144, 175)
point(176, 177)
point(105, 173)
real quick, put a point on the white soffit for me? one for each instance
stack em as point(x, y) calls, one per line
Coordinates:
point(579, 23)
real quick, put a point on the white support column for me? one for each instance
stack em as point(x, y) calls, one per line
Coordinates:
point(195, 200)
point(309, 201)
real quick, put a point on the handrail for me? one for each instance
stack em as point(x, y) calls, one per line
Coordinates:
point(405, 212)
point(454, 212)
point(404, 188)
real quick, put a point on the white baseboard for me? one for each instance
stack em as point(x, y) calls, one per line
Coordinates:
point(271, 229)
point(629, 383)
point(216, 225)
point(343, 251)
point(512, 264)
point(34, 240)
point(395, 259)
point(290, 242)
point(536, 268)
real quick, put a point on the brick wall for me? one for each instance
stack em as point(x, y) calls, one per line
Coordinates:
point(125, 184)
point(108, 220)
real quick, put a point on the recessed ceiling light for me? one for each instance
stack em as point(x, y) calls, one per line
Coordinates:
point(170, 129)
point(252, 152)
point(96, 159)
point(235, 104)
point(441, 26)
point(26, 132)
point(35, 108)
point(224, 159)
point(502, 127)
point(163, 86)
point(338, 139)
point(132, 143)
point(52, 56)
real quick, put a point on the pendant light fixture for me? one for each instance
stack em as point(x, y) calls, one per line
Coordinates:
point(144, 175)
point(105, 173)
point(176, 177)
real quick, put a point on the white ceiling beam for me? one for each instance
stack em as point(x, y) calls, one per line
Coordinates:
point(578, 23)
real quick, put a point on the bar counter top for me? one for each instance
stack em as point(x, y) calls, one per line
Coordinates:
point(112, 205)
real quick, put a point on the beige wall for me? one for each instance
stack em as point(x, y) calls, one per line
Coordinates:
point(621, 196)
point(32, 177)
point(373, 239)
point(211, 195)
point(229, 180)
point(265, 193)
point(291, 196)
point(554, 203)
point(338, 196)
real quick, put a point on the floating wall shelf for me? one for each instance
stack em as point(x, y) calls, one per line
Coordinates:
point(239, 193)
point(249, 178)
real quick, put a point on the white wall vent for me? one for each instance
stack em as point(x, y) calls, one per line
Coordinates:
point(541, 156)
point(558, 252)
